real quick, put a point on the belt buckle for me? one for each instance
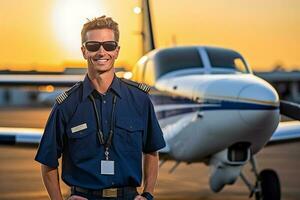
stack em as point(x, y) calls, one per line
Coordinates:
point(110, 192)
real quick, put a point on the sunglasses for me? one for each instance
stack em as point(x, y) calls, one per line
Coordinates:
point(94, 46)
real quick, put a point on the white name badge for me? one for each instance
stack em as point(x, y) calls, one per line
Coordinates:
point(79, 128)
point(107, 167)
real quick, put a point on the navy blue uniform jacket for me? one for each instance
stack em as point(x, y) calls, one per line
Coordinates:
point(71, 131)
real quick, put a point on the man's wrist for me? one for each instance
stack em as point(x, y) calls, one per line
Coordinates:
point(147, 195)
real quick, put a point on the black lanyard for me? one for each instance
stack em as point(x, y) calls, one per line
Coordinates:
point(100, 134)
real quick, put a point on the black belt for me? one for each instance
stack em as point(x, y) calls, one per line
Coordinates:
point(108, 192)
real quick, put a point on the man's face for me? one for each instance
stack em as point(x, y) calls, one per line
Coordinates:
point(102, 60)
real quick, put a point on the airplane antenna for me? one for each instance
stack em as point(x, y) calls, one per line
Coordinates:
point(147, 30)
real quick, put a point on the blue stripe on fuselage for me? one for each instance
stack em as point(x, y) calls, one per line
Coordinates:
point(166, 99)
point(207, 105)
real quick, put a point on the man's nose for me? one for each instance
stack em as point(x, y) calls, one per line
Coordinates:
point(101, 49)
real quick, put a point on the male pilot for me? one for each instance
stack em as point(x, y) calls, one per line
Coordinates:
point(102, 127)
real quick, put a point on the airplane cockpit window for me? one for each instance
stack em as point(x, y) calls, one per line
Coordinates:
point(227, 60)
point(170, 60)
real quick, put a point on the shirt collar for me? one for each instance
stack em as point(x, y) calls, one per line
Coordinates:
point(115, 86)
point(88, 87)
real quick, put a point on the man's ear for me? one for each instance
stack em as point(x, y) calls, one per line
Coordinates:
point(83, 50)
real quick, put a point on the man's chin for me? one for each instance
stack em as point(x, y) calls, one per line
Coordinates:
point(102, 69)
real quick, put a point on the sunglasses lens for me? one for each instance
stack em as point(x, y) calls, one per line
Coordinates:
point(92, 46)
point(109, 45)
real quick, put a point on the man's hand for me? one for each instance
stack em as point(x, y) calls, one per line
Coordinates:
point(75, 197)
point(139, 197)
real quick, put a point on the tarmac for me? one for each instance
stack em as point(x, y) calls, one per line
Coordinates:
point(20, 175)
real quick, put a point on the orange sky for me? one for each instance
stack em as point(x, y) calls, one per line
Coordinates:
point(45, 35)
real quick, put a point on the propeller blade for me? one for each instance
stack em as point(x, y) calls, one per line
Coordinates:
point(290, 109)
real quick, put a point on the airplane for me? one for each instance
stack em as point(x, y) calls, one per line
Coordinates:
point(211, 108)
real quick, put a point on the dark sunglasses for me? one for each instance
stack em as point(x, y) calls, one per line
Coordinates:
point(94, 46)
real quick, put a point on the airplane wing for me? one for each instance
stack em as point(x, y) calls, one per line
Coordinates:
point(20, 136)
point(37, 80)
point(61, 80)
point(286, 132)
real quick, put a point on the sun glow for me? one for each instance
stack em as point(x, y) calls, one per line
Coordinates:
point(137, 10)
point(68, 19)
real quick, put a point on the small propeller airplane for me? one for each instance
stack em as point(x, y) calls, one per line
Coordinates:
point(210, 106)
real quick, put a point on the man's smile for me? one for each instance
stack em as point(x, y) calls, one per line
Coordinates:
point(100, 60)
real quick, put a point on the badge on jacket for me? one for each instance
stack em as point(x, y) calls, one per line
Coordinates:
point(79, 128)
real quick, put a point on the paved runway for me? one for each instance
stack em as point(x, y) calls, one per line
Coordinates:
point(20, 176)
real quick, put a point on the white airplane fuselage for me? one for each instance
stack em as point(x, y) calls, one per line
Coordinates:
point(215, 111)
point(207, 101)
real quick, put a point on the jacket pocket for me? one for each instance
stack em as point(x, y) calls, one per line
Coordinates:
point(129, 134)
point(82, 145)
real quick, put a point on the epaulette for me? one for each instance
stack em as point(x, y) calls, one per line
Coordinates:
point(142, 86)
point(63, 96)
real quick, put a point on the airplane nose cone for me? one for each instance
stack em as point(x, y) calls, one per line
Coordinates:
point(259, 94)
point(259, 105)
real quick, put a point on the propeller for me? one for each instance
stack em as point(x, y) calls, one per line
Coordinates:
point(290, 109)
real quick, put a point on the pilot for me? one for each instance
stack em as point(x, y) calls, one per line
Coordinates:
point(104, 128)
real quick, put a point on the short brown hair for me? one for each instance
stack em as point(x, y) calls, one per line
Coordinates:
point(100, 23)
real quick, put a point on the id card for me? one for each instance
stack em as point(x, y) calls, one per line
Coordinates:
point(107, 167)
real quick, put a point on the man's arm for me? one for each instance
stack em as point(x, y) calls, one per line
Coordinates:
point(51, 182)
point(150, 171)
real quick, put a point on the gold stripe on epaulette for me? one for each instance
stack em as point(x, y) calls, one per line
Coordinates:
point(144, 87)
point(60, 98)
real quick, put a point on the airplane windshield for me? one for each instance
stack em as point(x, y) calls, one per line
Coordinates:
point(177, 59)
point(227, 60)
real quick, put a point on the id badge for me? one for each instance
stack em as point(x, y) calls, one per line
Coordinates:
point(107, 167)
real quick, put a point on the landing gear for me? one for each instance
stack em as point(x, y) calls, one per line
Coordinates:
point(267, 186)
point(270, 185)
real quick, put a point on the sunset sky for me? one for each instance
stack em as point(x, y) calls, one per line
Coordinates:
point(45, 34)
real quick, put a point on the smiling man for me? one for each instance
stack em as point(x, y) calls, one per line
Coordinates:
point(102, 127)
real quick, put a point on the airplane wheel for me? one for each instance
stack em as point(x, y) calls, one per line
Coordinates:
point(270, 186)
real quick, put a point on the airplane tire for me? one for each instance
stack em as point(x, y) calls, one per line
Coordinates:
point(270, 185)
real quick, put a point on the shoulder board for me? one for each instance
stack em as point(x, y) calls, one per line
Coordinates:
point(142, 86)
point(63, 96)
